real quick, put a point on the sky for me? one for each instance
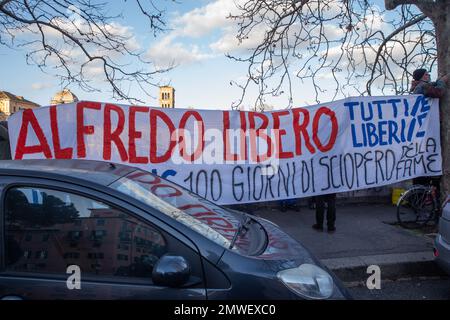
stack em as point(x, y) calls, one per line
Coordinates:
point(198, 38)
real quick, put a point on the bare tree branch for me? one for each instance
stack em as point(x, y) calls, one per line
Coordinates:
point(337, 42)
point(426, 6)
point(383, 44)
point(77, 41)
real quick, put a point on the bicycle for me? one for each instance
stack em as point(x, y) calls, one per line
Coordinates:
point(418, 206)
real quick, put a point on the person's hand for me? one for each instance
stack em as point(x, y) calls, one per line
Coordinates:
point(445, 78)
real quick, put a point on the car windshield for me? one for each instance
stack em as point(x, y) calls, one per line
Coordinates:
point(212, 221)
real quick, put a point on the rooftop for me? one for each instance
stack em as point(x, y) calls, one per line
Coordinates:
point(64, 96)
point(9, 96)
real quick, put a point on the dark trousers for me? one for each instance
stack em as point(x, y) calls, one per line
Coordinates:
point(330, 199)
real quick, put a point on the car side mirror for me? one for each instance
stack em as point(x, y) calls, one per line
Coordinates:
point(171, 271)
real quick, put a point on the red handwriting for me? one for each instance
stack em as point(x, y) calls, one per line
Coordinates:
point(256, 142)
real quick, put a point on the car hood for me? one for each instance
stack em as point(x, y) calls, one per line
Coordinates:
point(282, 250)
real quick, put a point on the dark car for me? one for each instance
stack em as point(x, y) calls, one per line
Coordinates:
point(75, 229)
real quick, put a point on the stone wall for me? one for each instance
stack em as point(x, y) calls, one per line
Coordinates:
point(379, 195)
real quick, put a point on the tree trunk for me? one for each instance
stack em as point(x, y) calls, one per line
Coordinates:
point(442, 26)
point(439, 13)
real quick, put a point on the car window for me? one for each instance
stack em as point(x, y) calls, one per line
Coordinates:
point(49, 230)
point(212, 221)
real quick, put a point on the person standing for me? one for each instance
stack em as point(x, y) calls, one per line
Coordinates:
point(330, 200)
point(422, 84)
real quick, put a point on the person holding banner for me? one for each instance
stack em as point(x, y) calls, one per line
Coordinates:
point(422, 85)
point(5, 152)
point(330, 199)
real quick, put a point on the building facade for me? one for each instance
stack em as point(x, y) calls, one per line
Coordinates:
point(167, 97)
point(10, 103)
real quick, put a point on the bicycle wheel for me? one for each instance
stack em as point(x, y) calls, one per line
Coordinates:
point(415, 208)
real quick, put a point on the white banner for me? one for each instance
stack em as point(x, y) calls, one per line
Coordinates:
point(234, 157)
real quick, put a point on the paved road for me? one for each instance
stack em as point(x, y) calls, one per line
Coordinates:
point(413, 289)
point(362, 230)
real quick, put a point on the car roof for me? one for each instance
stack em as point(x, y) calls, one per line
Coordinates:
point(99, 172)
